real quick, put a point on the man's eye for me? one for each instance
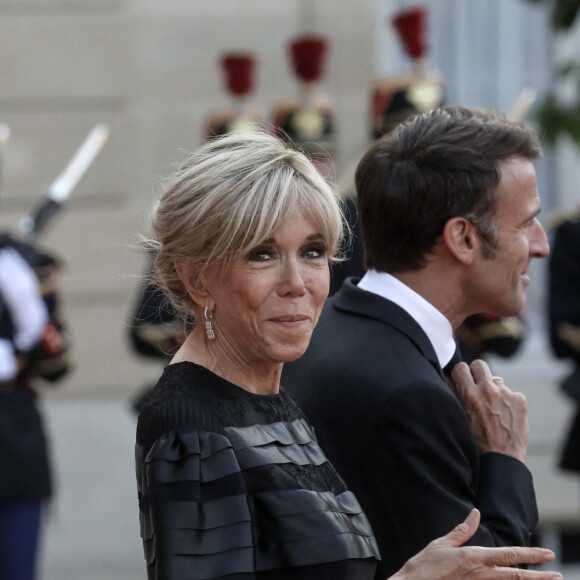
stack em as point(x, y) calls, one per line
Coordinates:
point(530, 223)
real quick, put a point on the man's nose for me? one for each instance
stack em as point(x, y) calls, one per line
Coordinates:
point(539, 245)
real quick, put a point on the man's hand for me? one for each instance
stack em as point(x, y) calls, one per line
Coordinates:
point(498, 415)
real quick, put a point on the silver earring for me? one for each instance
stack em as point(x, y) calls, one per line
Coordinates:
point(208, 329)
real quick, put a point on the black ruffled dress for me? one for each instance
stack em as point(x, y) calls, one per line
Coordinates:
point(234, 485)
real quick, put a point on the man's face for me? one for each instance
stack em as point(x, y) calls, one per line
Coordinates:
point(499, 283)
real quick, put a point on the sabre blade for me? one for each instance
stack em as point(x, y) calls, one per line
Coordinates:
point(61, 187)
point(522, 104)
point(4, 134)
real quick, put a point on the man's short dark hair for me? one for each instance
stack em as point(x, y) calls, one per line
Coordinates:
point(431, 168)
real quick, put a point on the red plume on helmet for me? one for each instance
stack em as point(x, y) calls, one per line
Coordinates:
point(239, 70)
point(410, 24)
point(396, 98)
point(308, 54)
point(241, 115)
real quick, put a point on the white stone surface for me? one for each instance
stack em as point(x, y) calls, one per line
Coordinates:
point(93, 528)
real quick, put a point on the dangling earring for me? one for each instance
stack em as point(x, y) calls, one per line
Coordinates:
point(208, 329)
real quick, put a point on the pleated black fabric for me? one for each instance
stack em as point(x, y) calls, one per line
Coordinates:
point(233, 484)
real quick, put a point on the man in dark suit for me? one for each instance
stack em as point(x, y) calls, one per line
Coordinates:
point(448, 205)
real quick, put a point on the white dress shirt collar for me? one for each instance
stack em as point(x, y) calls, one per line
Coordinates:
point(435, 325)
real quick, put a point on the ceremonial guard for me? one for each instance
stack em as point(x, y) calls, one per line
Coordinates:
point(33, 348)
point(396, 98)
point(238, 69)
point(564, 320)
point(309, 119)
point(393, 99)
point(155, 330)
point(485, 333)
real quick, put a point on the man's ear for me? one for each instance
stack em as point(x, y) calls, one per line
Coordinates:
point(194, 283)
point(461, 239)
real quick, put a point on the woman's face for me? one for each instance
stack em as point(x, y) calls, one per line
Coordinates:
point(268, 301)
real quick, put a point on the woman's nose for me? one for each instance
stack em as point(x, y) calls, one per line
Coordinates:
point(292, 281)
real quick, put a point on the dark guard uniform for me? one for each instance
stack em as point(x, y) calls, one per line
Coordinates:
point(481, 334)
point(155, 330)
point(24, 459)
point(564, 321)
point(33, 346)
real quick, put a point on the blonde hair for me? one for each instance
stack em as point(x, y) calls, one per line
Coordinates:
point(228, 197)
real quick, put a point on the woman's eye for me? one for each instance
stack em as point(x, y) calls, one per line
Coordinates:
point(315, 251)
point(260, 255)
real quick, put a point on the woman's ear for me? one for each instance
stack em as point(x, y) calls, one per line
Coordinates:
point(461, 239)
point(193, 282)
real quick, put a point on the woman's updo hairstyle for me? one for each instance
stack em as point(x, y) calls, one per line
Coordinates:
point(233, 193)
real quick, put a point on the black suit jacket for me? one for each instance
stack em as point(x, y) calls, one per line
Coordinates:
point(372, 387)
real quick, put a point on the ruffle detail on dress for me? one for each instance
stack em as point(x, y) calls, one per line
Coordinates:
point(280, 503)
point(194, 506)
point(190, 456)
point(199, 520)
point(177, 444)
point(276, 443)
point(229, 511)
point(287, 433)
point(310, 528)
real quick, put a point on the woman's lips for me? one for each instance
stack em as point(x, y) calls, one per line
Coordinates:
point(290, 318)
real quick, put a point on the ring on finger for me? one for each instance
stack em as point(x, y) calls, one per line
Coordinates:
point(497, 380)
